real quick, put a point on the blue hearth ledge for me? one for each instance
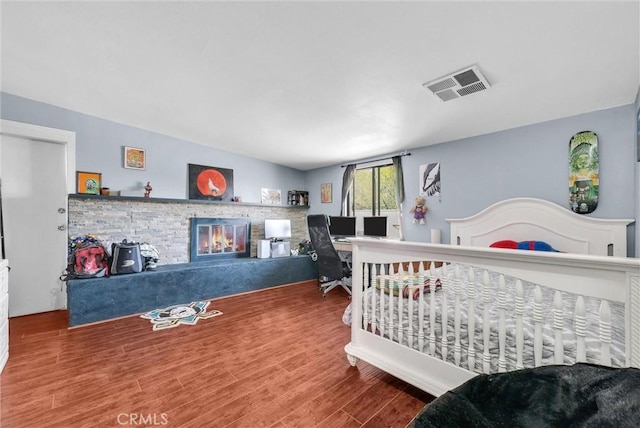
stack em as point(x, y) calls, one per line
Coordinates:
point(100, 299)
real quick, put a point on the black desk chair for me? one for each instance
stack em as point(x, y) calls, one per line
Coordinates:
point(332, 270)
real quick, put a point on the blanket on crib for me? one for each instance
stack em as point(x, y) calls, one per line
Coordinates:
point(584, 395)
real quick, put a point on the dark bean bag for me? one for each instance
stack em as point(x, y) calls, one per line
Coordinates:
point(582, 395)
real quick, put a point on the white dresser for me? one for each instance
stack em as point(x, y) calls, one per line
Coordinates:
point(4, 313)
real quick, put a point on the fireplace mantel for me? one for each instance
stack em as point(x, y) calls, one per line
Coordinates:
point(178, 201)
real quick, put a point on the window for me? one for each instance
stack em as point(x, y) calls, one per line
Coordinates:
point(374, 190)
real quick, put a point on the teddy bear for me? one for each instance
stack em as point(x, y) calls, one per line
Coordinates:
point(419, 211)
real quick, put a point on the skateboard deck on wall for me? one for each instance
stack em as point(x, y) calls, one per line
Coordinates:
point(583, 172)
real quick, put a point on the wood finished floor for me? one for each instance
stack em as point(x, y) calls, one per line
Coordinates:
point(275, 358)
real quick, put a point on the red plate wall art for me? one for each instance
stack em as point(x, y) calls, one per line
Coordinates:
point(209, 182)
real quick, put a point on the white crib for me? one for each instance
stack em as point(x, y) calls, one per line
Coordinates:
point(497, 309)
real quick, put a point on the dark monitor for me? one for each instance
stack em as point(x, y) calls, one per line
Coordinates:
point(340, 227)
point(375, 226)
point(277, 228)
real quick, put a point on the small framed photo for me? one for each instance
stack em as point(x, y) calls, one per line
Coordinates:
point(134, 158)
point(88, 183)
point(271, 196)
point(325, 193)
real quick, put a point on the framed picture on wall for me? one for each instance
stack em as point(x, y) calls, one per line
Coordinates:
point(210, 182)
point(134, 158)
point(638, 138)
point(430, 180)
point(88, 183)
point(326, 193)
point(271, 196)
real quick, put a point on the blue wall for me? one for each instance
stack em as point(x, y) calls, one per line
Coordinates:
point(637, 176)
point(528, 161)
point(99, 149)
point(476, 172)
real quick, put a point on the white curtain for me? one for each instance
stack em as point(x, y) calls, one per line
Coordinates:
point(347, 181)
point(397, 164)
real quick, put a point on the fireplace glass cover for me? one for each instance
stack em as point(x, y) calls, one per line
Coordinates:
point(213, 238)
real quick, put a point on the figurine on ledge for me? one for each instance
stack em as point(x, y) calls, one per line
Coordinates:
point(147, 190)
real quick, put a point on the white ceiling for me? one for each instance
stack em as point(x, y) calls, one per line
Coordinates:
point(309, 84)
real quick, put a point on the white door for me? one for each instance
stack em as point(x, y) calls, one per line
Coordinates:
point(34, 212)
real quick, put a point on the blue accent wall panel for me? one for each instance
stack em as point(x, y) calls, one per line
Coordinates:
point(99, 299)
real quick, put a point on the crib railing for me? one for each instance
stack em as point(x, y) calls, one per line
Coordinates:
point(489, 311)
point(410, 288)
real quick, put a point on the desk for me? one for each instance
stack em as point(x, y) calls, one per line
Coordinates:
point(344, 250)
point(342, 245)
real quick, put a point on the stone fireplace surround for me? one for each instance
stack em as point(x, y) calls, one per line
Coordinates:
point(165, 223)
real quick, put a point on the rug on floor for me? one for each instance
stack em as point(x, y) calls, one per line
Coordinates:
point(173, 316)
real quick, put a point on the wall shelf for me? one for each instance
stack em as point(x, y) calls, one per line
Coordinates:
point(177, 201)
point(298, 198)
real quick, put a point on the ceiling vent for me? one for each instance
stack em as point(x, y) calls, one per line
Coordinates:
point(459, 84)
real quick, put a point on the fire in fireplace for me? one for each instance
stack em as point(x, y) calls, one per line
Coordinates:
point(215, 238)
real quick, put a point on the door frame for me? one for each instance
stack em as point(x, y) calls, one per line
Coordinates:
point(48, 135)
point(51, 135)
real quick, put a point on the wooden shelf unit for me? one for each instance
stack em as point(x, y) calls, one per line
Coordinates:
point(298, 198)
